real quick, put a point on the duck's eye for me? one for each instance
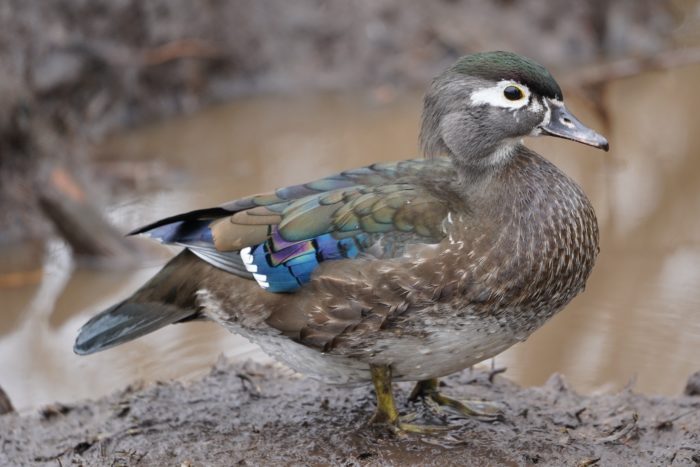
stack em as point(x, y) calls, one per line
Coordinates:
point(513, 93)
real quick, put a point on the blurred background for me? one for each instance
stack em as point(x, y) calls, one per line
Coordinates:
point(114, 113)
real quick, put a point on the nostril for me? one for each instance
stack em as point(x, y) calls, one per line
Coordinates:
point(566, 121)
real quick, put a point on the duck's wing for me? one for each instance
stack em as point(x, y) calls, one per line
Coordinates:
point(279, 238)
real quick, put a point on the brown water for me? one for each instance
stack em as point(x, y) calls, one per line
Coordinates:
point(638, 319)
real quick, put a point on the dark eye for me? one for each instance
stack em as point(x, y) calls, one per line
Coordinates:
point(513, 93)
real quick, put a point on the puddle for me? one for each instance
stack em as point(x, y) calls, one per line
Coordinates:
point(638, 319)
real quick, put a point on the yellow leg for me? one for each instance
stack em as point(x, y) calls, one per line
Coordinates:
point(428, 390)
point(386, 412)
point(386, 407)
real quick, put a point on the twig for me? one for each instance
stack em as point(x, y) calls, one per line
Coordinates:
point(622, 432)
point(588, 462)
point(80, 222)
point(626, 67)
point(182, 48)
point(666, 424)
point(496, 371)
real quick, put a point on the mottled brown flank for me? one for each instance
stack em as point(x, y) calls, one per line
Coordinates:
point(520, 252)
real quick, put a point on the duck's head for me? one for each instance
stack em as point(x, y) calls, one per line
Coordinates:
point(480, 108)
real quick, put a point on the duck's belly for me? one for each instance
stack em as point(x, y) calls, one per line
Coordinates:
point(440, 351)
point(430, 345)
point(411, 359)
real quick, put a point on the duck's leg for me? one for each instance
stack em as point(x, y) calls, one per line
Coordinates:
point(428, 390)
point(386, 407)
point(386, 412)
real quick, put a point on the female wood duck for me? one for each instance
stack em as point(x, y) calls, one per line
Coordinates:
point(405, 271)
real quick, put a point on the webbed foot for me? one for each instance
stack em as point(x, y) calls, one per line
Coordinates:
point(481, 410)
point(386, 412)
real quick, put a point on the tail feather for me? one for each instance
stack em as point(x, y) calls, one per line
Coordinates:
point(167, 298)
point(123, 322)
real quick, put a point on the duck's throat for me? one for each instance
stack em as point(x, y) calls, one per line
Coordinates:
point(475, 169)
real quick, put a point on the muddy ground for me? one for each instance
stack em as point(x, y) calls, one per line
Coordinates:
point(249, 414)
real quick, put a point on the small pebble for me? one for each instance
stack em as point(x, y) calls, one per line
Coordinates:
point(692, 387)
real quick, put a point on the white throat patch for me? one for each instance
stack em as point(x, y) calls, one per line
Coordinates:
point(494, 96)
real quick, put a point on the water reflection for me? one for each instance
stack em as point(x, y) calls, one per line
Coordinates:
point(639, 315)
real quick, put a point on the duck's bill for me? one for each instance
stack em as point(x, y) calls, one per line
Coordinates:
point(564, 125)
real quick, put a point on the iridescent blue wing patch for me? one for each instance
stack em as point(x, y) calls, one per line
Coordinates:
point(282, 266)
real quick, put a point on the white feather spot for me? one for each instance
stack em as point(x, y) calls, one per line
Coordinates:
point(248, 263)
point(536, 106)
point(547, 116)
point(246, 256)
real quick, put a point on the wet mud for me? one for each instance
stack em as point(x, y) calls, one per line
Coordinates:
point(252, 414)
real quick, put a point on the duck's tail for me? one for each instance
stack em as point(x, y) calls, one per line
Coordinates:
point(167, 298)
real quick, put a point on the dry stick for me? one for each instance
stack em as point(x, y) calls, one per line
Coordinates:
point(590, 81)
point(80, 223)
point(181, 48)
point(626, 67)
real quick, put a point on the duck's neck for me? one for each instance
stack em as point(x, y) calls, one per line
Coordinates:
point(476, 171)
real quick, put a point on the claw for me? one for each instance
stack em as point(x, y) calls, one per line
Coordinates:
point(419, 429)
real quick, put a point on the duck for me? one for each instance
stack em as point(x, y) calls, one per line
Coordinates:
point(403, 271)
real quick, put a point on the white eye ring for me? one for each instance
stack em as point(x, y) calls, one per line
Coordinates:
point(495, 95)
